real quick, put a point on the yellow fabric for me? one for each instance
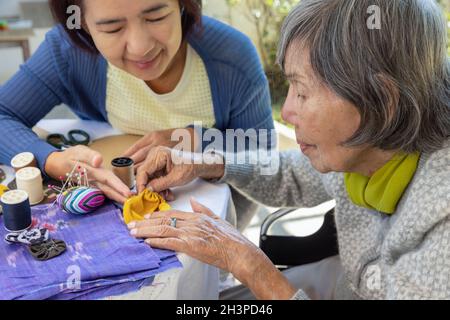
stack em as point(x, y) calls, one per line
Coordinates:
point(134, 108)
point(3, 189)
point(144, 203)
point(384, 189)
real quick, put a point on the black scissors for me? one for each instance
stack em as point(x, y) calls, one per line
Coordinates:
point(75, 138)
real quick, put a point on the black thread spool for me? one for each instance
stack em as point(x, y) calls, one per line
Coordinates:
point(16, 211)
point(124, 169)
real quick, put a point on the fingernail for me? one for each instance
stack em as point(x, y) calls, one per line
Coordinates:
point(131, 225)
point(133, 232)
point(147, 216)
point(150, 188)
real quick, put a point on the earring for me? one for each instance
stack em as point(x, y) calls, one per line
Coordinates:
point(182, 10)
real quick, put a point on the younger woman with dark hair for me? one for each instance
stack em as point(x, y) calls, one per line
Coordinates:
point(145, 66)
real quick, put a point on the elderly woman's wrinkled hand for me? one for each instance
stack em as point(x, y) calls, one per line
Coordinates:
point(201, 235)
point(162, 170)
point(165, 168)
point(138, 151)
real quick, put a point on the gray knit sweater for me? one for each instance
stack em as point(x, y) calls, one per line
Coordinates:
point(403, 256)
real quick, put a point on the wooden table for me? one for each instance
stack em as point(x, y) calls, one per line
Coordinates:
point(19, 38)
point(109, 147)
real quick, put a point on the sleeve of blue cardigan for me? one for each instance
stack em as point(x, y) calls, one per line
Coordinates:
point(251, 118)
point(240, 90)
point(27, 97)
point(250, 122)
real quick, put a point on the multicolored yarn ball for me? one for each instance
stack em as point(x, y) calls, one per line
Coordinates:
point(81, 200)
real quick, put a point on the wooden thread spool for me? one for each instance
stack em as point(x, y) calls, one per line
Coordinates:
point(23, 160)
point(124, 169)
point(16, 211)
point(30, 180)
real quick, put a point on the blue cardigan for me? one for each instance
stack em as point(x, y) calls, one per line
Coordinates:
point(60, 72)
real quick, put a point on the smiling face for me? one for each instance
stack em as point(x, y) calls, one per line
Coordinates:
point(141, 37)
point(323, 121)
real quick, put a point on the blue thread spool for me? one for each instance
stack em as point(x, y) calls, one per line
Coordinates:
point(16, 211)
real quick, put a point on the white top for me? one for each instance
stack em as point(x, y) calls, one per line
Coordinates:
point(134, 108)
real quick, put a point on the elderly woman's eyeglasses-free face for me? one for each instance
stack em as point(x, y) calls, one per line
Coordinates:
point(323, 120)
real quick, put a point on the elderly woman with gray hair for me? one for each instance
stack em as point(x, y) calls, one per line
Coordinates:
point(371, 110)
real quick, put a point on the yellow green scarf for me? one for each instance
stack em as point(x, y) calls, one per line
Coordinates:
point(384, 189)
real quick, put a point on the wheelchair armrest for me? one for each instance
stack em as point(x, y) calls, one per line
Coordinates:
point(293, 251)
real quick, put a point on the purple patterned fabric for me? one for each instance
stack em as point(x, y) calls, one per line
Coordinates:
point(100, 253)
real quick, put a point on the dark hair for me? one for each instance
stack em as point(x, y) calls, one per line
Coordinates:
point(191, 20)
point(397, 76)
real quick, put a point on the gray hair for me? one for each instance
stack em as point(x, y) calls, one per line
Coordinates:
point(397, 76)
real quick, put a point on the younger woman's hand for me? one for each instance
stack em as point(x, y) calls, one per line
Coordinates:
point(60, 163)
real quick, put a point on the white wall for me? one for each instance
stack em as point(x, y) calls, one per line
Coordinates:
point(12, 7)
point(11, 58)
point(9, 8)
point(8, 57)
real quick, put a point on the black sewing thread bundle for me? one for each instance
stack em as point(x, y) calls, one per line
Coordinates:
point(124, 169)
point(18, 222)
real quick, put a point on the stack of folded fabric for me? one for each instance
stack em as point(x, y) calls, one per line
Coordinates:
point(101, 259)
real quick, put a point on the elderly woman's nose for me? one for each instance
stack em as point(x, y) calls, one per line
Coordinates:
point(288, 112)
point(139, 43)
